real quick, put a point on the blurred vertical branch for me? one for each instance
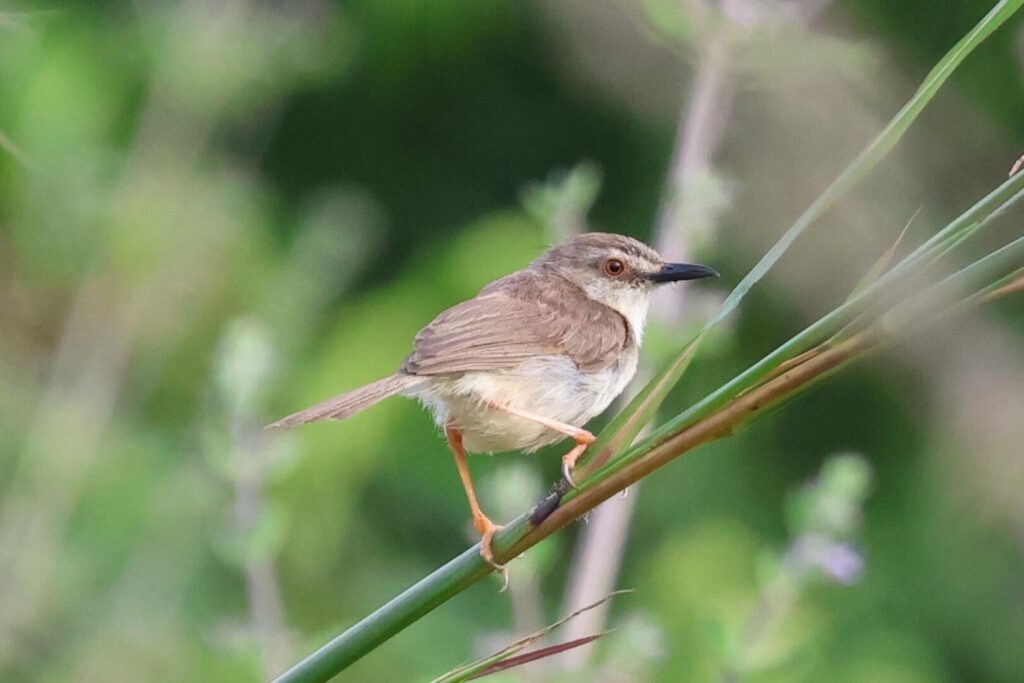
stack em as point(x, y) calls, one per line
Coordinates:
point(692, 203)
point(266, 606)
point(245, 366)
point(602, 542)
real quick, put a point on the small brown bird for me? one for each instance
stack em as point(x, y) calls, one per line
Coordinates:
point(531, 359)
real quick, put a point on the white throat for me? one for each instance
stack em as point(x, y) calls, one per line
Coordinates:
point(632, 302)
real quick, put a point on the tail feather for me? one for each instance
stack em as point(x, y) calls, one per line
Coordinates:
point(352, 402)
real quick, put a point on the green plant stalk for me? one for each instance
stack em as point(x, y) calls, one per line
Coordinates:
point(623, 429)
point(468, 568)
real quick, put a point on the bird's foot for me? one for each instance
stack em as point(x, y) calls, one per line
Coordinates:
point(487, 529)
point(583, 439)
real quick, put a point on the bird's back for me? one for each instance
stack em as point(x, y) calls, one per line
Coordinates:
point(523, 315)
point(530, 340)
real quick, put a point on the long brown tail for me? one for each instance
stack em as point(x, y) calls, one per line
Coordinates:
point(352, 402)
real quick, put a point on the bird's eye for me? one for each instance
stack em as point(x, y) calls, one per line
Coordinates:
point(614, 267)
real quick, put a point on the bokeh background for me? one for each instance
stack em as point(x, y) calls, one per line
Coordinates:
point(216, 213)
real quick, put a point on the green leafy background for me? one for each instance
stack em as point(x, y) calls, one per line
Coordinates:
point(212, 214)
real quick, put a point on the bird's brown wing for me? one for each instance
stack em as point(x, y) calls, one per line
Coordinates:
point(496, 331)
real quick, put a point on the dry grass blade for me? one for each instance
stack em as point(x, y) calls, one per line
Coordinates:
point(507, 653)
point(536, 655)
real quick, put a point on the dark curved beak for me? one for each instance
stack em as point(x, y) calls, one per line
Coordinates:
point(673, 272)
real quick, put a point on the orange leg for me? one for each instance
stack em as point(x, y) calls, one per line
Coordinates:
point(483, 524)
point(582, 437)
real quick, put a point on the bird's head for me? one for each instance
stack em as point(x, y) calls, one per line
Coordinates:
point(617, 271)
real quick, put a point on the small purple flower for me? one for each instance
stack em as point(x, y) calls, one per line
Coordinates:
point(839, 562)
point(843, 563)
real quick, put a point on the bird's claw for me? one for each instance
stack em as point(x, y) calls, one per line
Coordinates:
point(570, 458)
point(504, 578)
point(487, 553)
point(567, 474)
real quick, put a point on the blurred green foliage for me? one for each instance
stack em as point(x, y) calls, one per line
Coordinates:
point(214, 213)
